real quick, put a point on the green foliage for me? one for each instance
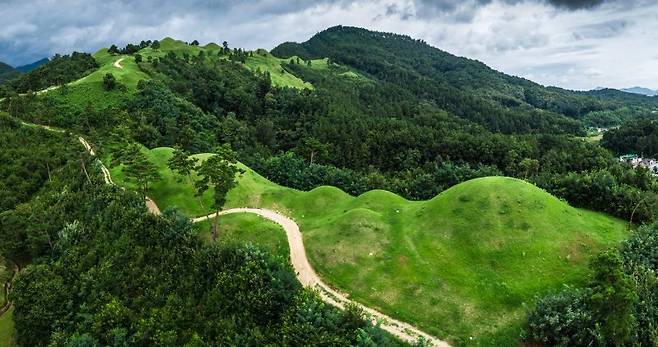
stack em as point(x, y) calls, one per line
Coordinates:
point(135, 279)
point(637, 137)
point(181, 162)
point(612, 299)
point(109, 82)
point(139, 170)
point(59, 70)
point(7, 72)
point(562, 319)
point(219, 173)
point(508, 230)
point(623, 192)
point(463, 87)
point(159, 118)
point(617, 308)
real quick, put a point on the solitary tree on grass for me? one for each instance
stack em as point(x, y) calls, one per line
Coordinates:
point(181, 163)
point(218, 172)
point(109, 82)
point(139, 169)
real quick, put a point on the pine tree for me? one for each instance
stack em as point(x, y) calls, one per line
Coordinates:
point(218, 172)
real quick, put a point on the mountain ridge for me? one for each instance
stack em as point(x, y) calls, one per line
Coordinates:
point(451, 81)
point(31, 66)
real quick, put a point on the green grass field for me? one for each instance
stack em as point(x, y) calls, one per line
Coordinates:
point(463, 266)
point(248, 228)
point(7, 333)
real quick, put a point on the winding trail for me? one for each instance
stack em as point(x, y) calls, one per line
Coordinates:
point(117, 63)
point(303, 270)
point(307, 276)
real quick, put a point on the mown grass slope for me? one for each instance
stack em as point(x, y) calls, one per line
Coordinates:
point(248, 228)
point(7, 332)
point(463, 266)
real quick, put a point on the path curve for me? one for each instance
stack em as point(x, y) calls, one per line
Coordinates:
point(307, 276)
point(117, 63)
point(303, 270)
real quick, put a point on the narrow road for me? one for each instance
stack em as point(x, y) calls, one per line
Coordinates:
point(307, 276)
point(303, 270)
point(117, 63)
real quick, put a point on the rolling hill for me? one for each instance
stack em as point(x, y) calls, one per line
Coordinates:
point(457, 265)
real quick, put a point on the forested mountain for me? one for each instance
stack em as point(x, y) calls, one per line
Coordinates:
point(462, 86)
point(31, 66)
point(7, 72)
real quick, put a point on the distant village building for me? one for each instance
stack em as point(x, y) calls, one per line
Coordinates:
point(635, 160)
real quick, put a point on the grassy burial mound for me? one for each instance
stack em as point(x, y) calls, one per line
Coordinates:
point(464, 266)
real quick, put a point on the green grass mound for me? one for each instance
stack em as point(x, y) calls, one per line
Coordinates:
point(242, 228)
point(463, 266)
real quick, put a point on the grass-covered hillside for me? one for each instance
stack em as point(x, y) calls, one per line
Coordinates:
point(458, 265)
point(88, 90)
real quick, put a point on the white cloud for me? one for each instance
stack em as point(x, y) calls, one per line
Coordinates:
point(608, 45)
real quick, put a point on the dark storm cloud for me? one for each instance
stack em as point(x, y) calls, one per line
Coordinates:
point(464, 10)
point(576, 4)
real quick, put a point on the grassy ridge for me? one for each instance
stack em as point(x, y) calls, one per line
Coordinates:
point(463, 266)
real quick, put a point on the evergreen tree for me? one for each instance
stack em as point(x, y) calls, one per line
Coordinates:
point(139, 169)
point(218, 172)
point(183, 164)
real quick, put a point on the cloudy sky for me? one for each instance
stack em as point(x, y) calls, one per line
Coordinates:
point(577, 44)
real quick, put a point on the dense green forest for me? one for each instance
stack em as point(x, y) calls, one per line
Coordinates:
point(7, 72)
point(640, 137)
point(59, 70)
point(386, 112)
point(100, 270)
